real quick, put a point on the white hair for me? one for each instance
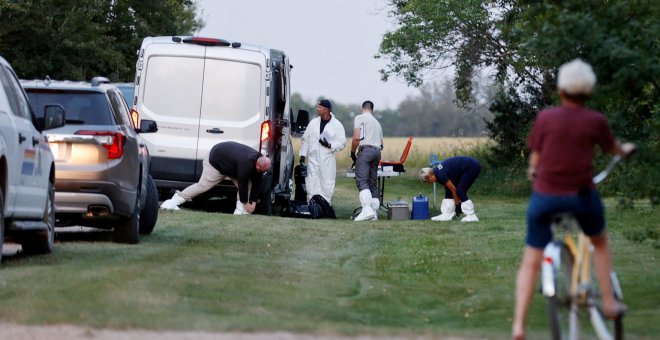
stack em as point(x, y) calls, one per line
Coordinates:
point(576, 78)
point(425, 173)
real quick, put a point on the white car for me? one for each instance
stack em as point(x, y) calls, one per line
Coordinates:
point(27, 169)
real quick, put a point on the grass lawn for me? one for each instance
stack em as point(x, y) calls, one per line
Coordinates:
point(211, 271)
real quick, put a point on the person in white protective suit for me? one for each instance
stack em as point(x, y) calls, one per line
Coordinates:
point(457, 174)
point(324, 136)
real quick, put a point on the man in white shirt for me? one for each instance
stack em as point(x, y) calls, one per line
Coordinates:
point(324, 136)
point(368, 139)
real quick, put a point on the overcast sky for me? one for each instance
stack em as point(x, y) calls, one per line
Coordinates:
point(330, 43)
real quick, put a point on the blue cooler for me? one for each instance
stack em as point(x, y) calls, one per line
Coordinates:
point(420, 207)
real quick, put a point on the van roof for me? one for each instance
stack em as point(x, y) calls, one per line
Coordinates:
point(232, 44)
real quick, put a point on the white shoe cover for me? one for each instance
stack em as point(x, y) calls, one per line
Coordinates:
point(240, 209)
point(173, 203)
point(468, 210)
point(375, 205)
point(367, 212)
point(447, 209)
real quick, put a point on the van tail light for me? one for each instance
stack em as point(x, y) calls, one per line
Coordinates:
point(265, 137)
point(135, 117)
point(112, 141)
point(206, 41)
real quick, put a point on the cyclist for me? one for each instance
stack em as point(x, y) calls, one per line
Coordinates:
point(562, 144)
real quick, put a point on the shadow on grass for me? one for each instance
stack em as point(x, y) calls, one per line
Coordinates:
point(221, 205)
point(84, 234)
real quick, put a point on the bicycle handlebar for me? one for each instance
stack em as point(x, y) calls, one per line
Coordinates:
point(615, 160)
point(603, 174)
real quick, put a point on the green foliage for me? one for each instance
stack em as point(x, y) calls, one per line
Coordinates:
point(435, 35)
point(617, 39)
point(78, 40)
point(525, 42)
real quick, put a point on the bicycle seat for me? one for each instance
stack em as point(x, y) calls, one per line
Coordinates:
point(564, 220)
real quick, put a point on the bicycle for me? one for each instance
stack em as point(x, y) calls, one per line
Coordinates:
point(568, 283)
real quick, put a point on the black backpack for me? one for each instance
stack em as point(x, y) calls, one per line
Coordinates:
point(320, 208)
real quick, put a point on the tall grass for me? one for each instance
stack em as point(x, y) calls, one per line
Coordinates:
point(420, 151)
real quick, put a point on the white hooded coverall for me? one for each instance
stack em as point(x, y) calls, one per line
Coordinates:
point(321, 163)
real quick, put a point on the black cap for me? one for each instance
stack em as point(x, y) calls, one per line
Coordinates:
point(326, 103)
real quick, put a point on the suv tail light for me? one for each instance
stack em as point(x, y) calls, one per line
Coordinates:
point(112, 141)
point(264, 138)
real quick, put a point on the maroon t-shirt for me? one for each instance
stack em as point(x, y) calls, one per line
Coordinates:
point(565, 139)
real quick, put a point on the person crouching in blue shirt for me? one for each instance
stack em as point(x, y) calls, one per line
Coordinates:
point(457, 174)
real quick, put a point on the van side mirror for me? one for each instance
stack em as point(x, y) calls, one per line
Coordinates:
point(54, 116)
point(147, 126)
point(301, 122)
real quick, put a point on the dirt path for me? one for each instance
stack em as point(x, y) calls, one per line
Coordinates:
point(69, 332)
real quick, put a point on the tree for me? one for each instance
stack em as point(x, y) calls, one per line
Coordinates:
point(81, 39)
point(434, 113)
point(464, 35)
point(619, 39)
point(524, 42)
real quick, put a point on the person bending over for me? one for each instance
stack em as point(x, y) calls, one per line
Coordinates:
point(228, 160)
point(456, 174)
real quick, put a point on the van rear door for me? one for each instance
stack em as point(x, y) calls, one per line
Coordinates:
point(233, 98)
point(171, 95)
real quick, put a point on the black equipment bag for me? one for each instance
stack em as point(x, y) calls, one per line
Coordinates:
point(297, 209)
point(320, 208)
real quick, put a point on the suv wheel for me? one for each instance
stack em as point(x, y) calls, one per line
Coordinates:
point(2, 222)
point(128, 228)
point(41, 242)
point(149, 213)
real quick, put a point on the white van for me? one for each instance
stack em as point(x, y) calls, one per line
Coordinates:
point(202, 91)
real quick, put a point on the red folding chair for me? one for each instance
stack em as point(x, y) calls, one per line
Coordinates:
point(398, 165)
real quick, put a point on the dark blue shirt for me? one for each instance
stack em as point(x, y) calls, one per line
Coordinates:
point(453, 169)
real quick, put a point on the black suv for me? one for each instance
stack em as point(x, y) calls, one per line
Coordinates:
point(102, 167)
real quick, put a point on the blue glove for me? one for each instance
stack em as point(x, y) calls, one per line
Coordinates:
point(324, 143)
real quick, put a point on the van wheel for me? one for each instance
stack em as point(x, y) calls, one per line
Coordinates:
point(41, 242)
point(149, 214)
point(128, 228)
point(266, 203)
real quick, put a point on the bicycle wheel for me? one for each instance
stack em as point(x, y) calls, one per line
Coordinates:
point(603, 327)
point(562, 311)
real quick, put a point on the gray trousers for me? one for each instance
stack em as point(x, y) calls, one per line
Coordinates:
point(366, 169)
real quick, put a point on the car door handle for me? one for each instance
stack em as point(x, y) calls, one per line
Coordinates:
point(214, 130)
point(21, 139)
point(35, 141)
